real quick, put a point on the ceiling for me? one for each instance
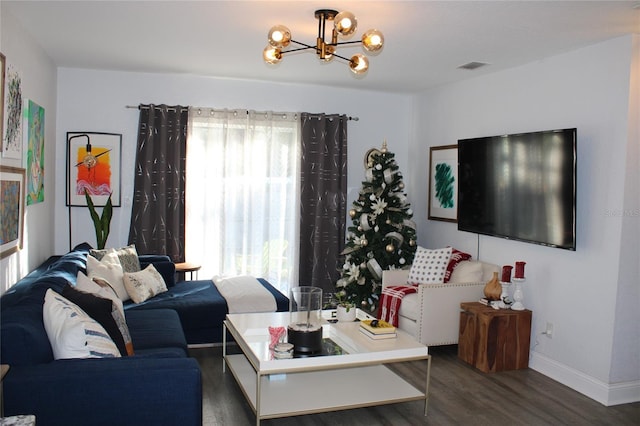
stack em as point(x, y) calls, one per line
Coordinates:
point(425, 41)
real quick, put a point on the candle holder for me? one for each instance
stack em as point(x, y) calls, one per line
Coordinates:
point(505, 301)
point(517, 295)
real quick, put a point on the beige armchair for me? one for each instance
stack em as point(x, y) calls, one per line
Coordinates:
point(432, 314)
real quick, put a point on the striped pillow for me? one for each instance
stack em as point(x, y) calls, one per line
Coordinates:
point(72, 333)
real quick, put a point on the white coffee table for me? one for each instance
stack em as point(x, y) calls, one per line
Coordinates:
point(357, 377)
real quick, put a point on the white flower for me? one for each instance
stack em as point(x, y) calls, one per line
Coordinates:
point(378, 206)
point(353, 273)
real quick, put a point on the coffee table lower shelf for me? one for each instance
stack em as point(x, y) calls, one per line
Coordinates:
point(299, 393)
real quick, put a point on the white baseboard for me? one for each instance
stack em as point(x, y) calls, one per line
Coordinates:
point(604, 393)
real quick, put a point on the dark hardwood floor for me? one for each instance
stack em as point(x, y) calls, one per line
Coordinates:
point(460, 395)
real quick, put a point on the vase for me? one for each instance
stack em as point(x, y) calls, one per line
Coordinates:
point(345, 316)
point(493, 289)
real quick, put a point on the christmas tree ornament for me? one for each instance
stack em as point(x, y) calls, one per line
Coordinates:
point(401, 185)
point(352, 213)
point(388, 221)
point(402, 261)
point(390, 248)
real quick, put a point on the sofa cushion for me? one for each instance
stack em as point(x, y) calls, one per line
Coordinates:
point(429, 266)
point(457, 256)
point(72, 333)
point(410, 306)
point(467, 272)
point(156, 331)
point(144, 284)
point(128, 257)
point(106, 313)
point(108, 268)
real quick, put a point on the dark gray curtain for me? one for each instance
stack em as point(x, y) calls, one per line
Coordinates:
point(158, 214)
point(323, 198)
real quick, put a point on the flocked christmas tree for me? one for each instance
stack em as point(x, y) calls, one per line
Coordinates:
point(382, 236)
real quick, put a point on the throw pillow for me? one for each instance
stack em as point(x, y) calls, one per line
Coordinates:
point(429, 266)
point(457, 256)
point(109, 269)
point(72, 333)
point(467, 272)
point(128, 257)
point(105, 312)
point(144, 284)
point(99, 287)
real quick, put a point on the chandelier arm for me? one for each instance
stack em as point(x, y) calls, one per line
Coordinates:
point(344, 42)
point(342, 57)
point(307, 46)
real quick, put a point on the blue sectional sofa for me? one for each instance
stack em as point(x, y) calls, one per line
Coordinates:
point(159, 385)
point(201, 307)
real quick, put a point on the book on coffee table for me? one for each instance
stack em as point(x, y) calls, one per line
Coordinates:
point(380, 336)
point(377, 327)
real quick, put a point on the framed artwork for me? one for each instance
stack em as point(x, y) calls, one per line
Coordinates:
point(35, 152)
point(93, 165)
point(3, 62)
point(443, 183)
point(12, 196)
point(12, 137)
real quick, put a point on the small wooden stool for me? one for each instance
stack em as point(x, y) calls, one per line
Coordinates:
point(185, 267)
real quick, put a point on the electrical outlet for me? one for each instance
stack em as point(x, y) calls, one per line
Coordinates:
point(549, 330)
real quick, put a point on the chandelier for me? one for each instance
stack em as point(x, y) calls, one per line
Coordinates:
point(344, 24)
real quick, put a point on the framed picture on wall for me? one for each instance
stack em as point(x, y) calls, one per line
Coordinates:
point(443, 183)
point(93, 165)
point(12, 203)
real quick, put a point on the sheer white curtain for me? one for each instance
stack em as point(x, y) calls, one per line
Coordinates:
point(242, 194)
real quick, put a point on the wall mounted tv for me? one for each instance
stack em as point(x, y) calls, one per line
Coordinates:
point(520, 187)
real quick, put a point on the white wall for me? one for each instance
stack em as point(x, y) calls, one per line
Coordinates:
point(576, 291)
point(38, 75)
point(91, 100)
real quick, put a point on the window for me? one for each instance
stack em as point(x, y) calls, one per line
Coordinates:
point(242, 194)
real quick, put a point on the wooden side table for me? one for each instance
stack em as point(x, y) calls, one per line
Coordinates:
point(185, 267)
point(494, 340)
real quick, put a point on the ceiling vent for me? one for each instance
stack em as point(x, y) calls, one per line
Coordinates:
point(472, 65)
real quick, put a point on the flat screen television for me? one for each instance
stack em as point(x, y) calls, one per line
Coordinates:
point(520, 187)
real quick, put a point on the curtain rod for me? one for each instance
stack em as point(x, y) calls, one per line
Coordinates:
point(350, 118)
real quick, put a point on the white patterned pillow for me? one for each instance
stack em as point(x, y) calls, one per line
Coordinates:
point(108, 269)
point(101, 288)
point(429, 266)
point(72, 333)
point(144, 284)
point(128, 257)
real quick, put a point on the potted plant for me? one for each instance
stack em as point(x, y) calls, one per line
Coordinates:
point(101, 223)
point(345, 309)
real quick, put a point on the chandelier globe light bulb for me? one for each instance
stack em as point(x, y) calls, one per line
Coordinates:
point(345, 23)
point(279, 36)
point(372, 40)
point(359, 64)
point(271, 55)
